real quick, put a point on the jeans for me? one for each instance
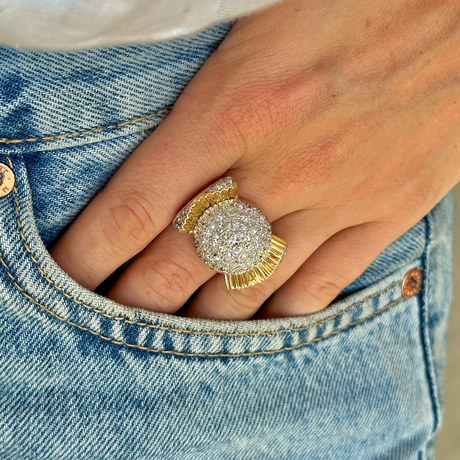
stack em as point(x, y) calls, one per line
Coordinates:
point(83, 377)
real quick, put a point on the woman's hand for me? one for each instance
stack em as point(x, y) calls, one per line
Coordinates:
point(340, 120)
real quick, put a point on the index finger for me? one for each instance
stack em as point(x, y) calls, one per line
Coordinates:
point(141, 199)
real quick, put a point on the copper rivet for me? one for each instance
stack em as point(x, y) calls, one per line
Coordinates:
point(412, 282)
point(6, 180)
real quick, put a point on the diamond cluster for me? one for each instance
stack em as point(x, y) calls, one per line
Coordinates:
point(232, 237)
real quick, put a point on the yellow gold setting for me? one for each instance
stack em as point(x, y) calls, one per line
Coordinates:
point(203, 201)
point(262, 270)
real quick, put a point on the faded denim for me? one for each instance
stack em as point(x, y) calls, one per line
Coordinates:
point(83, 377)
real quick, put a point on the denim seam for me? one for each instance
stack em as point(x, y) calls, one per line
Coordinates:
point(424, 332)
point(5, 140)
point(166, 328)
point(199, 355)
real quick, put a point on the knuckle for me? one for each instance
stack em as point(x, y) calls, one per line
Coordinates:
point(129, 220)
point(168, 281)
point(312, 164)
point(249, 116)
point(321, 288)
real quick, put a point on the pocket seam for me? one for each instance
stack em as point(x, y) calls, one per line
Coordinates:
point(156, 326)
point(70, 297)
point(202, 355)
point(153, 347)
point(6, 141)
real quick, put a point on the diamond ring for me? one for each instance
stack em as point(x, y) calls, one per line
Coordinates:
point(231, 236)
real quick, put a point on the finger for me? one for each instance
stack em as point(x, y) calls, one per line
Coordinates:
point(168, 271)
point(163, 276)
point(141, 199)
point(332, 267)
point(215, 301)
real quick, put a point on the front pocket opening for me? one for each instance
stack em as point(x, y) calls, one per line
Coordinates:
point(85, 308)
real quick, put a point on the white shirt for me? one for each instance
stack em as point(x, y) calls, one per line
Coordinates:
point(78, 24)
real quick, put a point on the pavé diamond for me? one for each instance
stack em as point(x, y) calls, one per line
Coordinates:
point(232, 237)
point(179, 220)
point(224, 183)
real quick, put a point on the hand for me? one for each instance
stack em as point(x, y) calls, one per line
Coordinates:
point(339, 120)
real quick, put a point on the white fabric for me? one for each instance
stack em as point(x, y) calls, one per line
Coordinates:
point(79, 24)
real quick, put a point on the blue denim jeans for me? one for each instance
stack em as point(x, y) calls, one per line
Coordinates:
point(83, 377)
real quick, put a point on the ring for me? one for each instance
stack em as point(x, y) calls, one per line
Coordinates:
point(231, 236)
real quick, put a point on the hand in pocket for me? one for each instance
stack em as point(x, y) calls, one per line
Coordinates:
point(341, 124)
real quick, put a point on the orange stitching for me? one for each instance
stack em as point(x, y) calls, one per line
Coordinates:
point(171, 329)
point(199, 355)
point(5, 140)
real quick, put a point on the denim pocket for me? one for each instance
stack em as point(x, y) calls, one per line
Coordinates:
point(43, 278)
point(356, 380)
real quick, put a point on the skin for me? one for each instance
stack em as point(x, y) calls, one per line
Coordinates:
point(338, 119)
